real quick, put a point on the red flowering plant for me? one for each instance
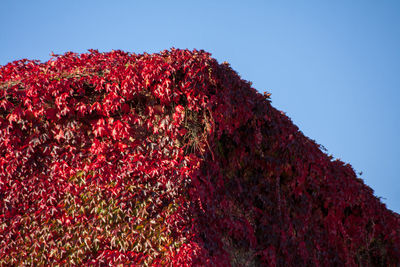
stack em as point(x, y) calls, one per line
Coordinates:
point(171, 159)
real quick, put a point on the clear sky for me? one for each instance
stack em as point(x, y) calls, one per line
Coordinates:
point(332, 66)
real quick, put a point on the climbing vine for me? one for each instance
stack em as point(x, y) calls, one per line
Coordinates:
point(171, 159)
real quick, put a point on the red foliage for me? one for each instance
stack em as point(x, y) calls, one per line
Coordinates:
point(171, 159)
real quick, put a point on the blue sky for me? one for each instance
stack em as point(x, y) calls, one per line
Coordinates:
point(332, 66)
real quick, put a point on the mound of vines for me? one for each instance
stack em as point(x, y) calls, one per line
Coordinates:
point(171, 159)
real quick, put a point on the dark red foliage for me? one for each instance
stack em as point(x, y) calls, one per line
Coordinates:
point(171, 159)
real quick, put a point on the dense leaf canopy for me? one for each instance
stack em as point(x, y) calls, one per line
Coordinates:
point(171, 159)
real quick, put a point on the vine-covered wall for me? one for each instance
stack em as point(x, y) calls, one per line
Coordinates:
point(171, 159)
